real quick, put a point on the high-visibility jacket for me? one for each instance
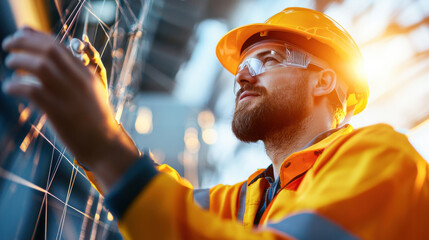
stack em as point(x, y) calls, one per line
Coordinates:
point(368, 183)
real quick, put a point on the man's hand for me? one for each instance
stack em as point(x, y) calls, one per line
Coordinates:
point(74, 99)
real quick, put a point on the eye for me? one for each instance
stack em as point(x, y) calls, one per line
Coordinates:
point(270, 61)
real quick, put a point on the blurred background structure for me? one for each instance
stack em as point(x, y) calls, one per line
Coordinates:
point(172, 95)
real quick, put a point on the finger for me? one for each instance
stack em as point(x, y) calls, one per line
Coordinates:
point(6, 41)
point(87, 51)
point(58, 59)
point(77, 46)
point(93, 54)
point(26, 87)
point(29, 40)
point(23, 86)
point(39, 43)
point(43, 68)
point(85, 38)
point(28, 29)
point(95, 60)
point(20, 86)
point(85, 59)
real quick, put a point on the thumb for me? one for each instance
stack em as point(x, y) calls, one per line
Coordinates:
point(77, 48)
point(90, 50)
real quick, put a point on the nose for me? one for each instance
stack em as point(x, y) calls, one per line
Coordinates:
point(244, 77)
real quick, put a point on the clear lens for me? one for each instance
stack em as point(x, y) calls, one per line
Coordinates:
point(263, 57)
point(254, 65)
point(268, 55)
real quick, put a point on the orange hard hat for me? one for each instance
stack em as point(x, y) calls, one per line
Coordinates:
point(314, 32)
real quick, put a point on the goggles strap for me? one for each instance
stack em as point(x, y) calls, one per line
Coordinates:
point(341, 92)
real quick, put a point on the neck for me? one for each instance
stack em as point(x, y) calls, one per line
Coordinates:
point(282, 143)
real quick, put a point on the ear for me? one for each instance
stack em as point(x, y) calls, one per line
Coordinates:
point(325, 82)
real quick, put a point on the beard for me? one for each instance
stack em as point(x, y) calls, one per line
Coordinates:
point(282, 109)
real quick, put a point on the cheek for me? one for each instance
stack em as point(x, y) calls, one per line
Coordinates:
point(287, 84)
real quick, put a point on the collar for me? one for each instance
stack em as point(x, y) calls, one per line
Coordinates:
point(300, 162)
point(267, 173)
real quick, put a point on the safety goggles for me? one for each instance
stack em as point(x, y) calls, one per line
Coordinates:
point(270, 54)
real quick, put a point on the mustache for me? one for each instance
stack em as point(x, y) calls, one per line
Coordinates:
point(248, 87)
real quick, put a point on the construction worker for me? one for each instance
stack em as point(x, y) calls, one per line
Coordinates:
point(298, 83)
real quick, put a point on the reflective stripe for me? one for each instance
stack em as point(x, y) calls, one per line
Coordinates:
point(202, 197)
point(311, 226)
point(242, 203)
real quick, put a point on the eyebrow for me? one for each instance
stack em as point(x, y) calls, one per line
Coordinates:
point(265, 52)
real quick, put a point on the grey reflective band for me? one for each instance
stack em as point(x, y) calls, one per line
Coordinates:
point(308, 225)
point(202, 197)
point(242, 202)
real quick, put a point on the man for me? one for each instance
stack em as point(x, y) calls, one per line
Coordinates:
point(298, 86)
